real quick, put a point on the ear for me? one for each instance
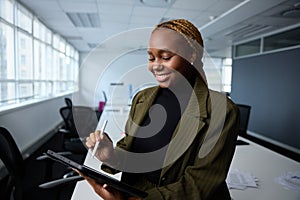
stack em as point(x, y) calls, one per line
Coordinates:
point(193, 57)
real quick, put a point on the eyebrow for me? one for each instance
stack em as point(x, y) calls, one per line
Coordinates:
point(165, 50)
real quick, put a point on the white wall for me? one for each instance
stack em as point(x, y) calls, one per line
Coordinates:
point(97, 75)
point(29, 124)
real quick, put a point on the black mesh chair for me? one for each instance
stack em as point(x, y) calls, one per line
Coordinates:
point(244, 121)
point(13, 161)
point(244, 118)
point(68, 102)
point(79, 121)
point(21, 183)
point(69, 128)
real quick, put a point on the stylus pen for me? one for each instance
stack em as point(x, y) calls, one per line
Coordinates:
point(97, 143)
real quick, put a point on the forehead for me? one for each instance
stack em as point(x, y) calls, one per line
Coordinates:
point(163, 38)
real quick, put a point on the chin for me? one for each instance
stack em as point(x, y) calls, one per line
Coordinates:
point(164, 85)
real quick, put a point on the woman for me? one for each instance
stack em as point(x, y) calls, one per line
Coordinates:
point(180, 136)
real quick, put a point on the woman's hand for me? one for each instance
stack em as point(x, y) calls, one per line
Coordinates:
point(105, 151)
point(104, 191)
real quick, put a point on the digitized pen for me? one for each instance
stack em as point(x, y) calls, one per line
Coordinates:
point(97, 142)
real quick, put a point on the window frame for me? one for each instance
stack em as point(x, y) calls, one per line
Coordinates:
point(262, 42)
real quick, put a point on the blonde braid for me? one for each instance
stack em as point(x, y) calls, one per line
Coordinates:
point(188, 31)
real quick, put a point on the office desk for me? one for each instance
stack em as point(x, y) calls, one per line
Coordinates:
point(264, 164)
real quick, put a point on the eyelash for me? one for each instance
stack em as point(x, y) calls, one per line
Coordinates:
point(164, 58)
point(167, 58)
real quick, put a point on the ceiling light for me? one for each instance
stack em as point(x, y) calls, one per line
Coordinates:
point(92, 45)
point(297, 5)
point(84, 19)
point(157, 3)
point(212, 17)
point(164, 19)
point(294, 13)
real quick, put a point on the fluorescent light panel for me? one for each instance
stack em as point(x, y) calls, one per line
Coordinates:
point(85, 19)
point(92, 45)
point(156, 3)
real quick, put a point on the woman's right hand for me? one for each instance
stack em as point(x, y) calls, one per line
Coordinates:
point(105, 151)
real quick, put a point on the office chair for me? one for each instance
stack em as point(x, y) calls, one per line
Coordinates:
point(18, 185)
point(69, 128)
point(68, 102)
point(79, 122)
point(244, 120)
point(13, 161)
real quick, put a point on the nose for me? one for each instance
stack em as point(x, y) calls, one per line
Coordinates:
point(156, 65)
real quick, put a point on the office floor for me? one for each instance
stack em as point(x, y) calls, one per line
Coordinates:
point(38, 172)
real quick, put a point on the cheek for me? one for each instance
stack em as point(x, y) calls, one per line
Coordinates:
point(149, 66)
point(176, 65)
point(182, 67)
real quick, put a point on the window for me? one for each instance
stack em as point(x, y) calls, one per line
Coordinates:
point(24, 56)
point(7, 10)
point(7, 70)
point(7, 92)
point(35, 64)
point(282, 40)
point(23, 19)
point(251, 47)
point(218, 72)
point(226, 74)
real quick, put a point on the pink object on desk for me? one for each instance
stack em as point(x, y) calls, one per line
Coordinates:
point(101, 106)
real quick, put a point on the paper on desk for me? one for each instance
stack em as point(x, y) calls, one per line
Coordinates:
point(290, 180)
point(237, 179)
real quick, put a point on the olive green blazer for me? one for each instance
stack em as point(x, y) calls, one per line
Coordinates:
point(199, 155)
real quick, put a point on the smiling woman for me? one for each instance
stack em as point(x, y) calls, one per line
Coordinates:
point(166, 60)
point(180, 136)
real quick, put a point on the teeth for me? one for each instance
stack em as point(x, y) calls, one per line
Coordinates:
point(161, 74)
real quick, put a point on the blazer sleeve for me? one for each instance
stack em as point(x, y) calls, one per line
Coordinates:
point(205, 178)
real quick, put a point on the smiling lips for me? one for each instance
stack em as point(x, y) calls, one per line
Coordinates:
point(162, 77)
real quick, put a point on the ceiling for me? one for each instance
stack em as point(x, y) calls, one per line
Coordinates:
point(221, 22)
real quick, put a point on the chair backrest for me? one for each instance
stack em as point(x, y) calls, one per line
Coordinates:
point(85, 119)
point(67, 116)
point(68, 102)
point(79, 120)
point(13, 161)
point(244, 118)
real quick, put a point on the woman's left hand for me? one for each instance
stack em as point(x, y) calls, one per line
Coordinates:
point(104, 191)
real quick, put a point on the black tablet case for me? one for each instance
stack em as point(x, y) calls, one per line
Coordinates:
point(101, 178)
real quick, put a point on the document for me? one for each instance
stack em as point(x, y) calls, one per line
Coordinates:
point(290, 180)
point(240, 180)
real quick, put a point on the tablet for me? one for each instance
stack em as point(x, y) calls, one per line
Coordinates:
point(101, 178)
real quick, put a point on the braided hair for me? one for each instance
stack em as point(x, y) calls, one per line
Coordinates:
point(188, 31)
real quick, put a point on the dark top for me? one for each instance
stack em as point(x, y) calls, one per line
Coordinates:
point(149, 141)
